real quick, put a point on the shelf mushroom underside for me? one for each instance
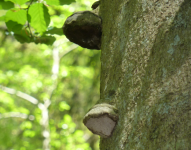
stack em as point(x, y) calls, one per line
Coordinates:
point(102, 126)
point(101, 120)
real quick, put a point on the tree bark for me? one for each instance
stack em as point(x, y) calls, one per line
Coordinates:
point(146, 73)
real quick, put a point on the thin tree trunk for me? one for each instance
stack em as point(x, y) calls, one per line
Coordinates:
point(146, 73)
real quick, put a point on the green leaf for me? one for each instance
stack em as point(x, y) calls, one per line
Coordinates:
point(63, 106)
point(54, 30)
point(59, 2)
point(39, 17)
point(6, 5)
point(53, 2)
point(67, 118)
point(17, 15)
point(26, 125)
point(22, 36)
point(2, 18)
point(29, 133)
point(66, 2)
point(15, 19)
point(20, 2)
point(49, 40)
point(16, 27)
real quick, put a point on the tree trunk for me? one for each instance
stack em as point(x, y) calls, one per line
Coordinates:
point(146, 73)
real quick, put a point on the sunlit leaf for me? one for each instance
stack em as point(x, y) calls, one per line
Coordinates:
point(26, 125)
point(20, 2)
point(67, 118)
point(29, 133)
point(59, 2)
point(23, 110)
point(63, 106)
point(5, 98)
point(57, 143)
point(15, 19)
point(78, 133)
point(39, 17)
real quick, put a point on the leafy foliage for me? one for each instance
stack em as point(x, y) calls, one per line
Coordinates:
point(15, 19)
point(20, 2)
point(27, 68)
point(6, 5)
point(59, 2)
point(39, 17)
point(31, 17)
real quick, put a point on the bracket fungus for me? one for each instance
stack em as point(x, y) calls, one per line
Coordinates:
point(101, 119)
point(84, 29)
point(95, 5)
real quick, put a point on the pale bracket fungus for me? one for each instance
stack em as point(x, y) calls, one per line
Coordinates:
point(101, 119)
point(84, 28)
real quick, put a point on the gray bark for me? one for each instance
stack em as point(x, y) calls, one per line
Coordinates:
point(146, 73)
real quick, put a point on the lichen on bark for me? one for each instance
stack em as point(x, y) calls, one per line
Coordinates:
point(145, 59)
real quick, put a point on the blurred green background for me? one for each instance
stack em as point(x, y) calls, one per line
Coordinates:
point(45, 90)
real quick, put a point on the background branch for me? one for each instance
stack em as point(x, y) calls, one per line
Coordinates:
point(16, 115)
point(19, 94)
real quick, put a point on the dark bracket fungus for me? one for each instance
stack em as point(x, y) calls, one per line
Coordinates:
point(84, 29)
point(101, 119)
point(95, 5)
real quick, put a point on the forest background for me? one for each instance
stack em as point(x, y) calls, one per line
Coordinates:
point(47, 84)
